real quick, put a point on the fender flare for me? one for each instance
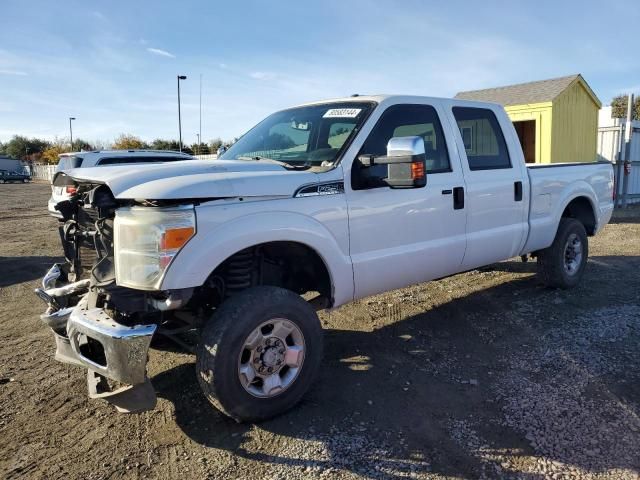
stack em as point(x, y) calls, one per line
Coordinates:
point(207, 250)
point(583, 189)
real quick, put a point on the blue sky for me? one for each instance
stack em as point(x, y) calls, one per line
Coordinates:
point(113, 64)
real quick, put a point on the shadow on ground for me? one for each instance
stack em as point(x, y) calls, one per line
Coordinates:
point(14, 270)
point(407, 385)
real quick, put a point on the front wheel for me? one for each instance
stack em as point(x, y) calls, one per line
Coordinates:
point(562, 264)
point(259, 353)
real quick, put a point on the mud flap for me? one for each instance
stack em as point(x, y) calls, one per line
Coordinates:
point(127, 399)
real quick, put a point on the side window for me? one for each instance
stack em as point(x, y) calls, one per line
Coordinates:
point(482, 138)
point(402, 121)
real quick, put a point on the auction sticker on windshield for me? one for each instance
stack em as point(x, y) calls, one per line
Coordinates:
point(342, 113)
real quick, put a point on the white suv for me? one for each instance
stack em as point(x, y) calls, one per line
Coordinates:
point(69, 161)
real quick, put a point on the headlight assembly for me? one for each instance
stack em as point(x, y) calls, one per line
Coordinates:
point(146, 240)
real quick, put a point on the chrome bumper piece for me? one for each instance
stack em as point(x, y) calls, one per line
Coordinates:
point(124, 348)
point(90, 338)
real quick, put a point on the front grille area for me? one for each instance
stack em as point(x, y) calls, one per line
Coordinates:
point(87, 256)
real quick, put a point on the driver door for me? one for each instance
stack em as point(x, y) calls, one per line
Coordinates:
point(404, 236)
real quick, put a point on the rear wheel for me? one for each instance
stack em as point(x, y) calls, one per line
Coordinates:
point(259, 353)
point(562, 264)
point(25, 180)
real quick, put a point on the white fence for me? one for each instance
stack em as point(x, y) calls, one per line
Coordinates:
point(611, 132)
point(43, 172)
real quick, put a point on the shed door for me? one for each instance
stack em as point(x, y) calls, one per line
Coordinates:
point(527, 134)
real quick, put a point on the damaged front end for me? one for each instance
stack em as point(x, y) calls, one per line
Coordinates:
point(97, 324)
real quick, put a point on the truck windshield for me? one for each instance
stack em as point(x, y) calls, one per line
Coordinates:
point(302, 137)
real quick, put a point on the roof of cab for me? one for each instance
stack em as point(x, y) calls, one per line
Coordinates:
point(395, 99)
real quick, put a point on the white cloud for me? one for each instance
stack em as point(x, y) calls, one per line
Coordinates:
point(13, 72)
point(162, 53)
point(262, 75)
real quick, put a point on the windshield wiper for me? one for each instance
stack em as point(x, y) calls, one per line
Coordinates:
point(289, 166)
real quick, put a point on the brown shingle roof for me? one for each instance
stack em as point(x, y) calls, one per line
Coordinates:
point(531, 92)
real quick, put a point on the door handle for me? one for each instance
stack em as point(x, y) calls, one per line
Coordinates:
point(448, 191)
point(458, 198)
point(517, 191)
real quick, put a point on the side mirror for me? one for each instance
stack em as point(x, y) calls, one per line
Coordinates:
point(405, 160)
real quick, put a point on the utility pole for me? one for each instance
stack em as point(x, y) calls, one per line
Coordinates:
point(200, 129)
point(71, 132)
point(198, 150)
point(628, 132)
point(180, 77)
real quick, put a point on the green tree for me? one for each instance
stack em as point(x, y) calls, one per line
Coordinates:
point(20, 147)
point(619, 107)
point(2, 147)
point(126, 141)
point(82, 145)
point(202, 149)
point(161, 144)
point(215, 144)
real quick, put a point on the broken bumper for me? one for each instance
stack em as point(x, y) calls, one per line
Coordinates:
point(90, 338)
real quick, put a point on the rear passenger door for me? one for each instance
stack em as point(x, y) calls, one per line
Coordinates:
point(494, 178)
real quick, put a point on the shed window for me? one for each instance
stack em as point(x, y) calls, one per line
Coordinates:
point(482, 138)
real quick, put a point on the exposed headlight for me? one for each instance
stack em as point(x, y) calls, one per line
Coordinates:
point(146, 240)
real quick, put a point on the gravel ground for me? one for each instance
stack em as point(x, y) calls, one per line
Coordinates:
point(482, 375)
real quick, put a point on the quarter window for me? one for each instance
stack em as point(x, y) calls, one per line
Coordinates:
point(482, 138)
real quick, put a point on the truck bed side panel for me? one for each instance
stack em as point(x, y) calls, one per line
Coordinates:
point(554, 186)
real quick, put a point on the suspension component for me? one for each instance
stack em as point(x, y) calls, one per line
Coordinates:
point(238, 272)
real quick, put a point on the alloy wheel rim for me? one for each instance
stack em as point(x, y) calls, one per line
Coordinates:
point(271, 358)
point(572, 254)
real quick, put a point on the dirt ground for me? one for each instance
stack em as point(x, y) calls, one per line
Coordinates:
point(485, 374)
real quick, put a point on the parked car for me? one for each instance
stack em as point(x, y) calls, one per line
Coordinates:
point(13, 177)
point(344, 198)
point(101, 158)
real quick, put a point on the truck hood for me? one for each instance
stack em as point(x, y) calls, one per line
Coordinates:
point(196, 179)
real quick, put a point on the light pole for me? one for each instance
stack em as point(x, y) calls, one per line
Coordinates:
point(198, 150)
point(180, 77)
point(71, 132)
point(200, 129)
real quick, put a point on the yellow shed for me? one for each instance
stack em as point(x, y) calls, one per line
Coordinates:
point(556, 119)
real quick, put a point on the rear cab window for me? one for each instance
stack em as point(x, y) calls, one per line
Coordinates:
point(482, 137)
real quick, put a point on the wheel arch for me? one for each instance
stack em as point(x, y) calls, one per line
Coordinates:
point(209, 250)
point(582, 209)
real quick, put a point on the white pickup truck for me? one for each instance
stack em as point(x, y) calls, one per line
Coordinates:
point(314, 207)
